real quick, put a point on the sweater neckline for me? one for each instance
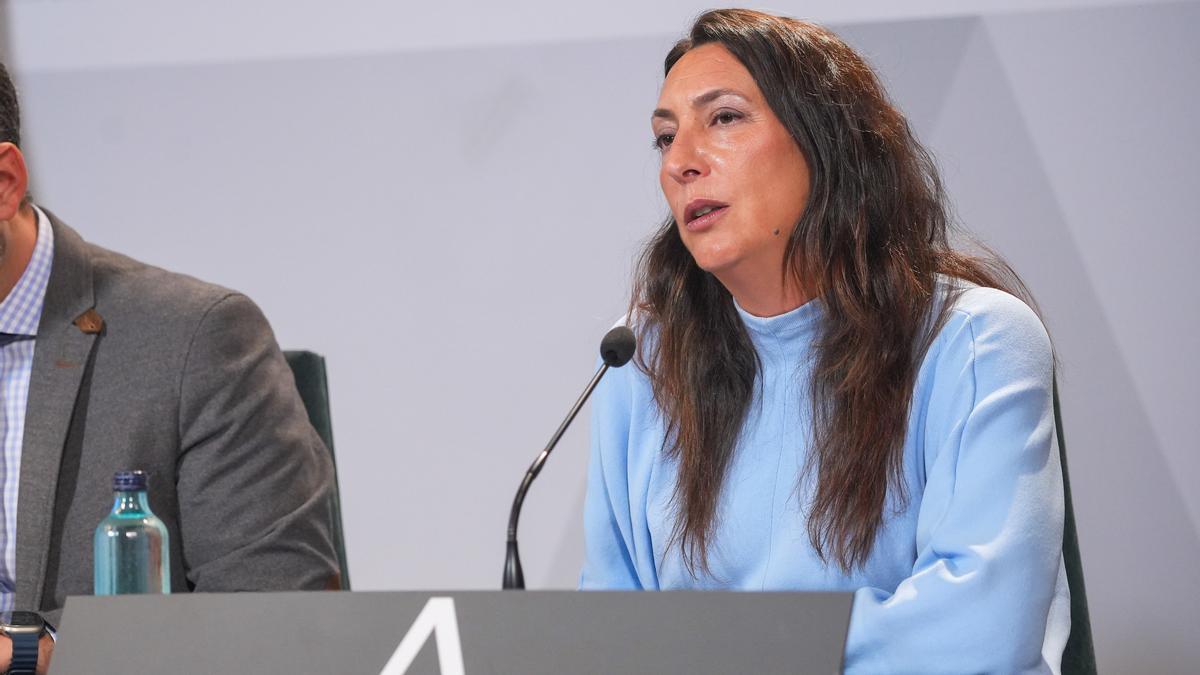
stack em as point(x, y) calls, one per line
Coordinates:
point(781, 326)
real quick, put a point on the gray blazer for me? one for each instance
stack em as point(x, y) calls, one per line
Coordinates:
point(139, 368)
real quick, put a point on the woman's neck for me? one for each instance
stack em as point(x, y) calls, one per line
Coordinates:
point(766, 295)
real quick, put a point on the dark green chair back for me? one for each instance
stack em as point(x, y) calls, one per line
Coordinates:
point(309, 369)
point(1079, 657)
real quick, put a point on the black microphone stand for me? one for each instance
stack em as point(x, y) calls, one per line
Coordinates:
point(514, 577)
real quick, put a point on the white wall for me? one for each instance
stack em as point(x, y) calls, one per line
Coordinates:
point(91, 34)
point(445, 202)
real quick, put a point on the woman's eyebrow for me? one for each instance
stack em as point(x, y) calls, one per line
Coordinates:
point(699, 101)
point(714, 94)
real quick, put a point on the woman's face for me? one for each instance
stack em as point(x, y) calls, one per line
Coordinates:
point(732, 175)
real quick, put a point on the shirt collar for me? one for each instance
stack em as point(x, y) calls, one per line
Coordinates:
point(22, 309)
point(804, 318)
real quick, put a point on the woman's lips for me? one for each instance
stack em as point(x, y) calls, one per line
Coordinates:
point(706, 221)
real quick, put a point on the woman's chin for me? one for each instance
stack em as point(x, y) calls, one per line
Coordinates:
point(715, 262)
point(711, 253)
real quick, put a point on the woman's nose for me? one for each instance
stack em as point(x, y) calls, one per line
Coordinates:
point(685, 159)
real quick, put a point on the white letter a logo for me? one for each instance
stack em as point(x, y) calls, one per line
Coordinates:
point(437, 617)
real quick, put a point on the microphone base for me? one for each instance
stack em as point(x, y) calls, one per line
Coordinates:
point(514, 576)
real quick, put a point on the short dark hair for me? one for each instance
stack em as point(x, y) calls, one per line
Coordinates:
point(10, 111)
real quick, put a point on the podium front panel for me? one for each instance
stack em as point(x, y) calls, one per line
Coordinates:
point(479, 633)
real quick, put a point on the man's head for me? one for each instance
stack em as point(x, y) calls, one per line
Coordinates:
point(18, 225)
point(14, 178)
point(10, 110)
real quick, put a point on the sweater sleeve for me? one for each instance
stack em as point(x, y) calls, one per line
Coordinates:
point(607, 517)
point(987, 583)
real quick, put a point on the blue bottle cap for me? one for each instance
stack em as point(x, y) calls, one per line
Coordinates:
point(129, 481)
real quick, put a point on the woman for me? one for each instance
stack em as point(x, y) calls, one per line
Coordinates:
point(827, 396)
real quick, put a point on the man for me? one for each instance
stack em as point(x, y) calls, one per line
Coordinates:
point(107, 364)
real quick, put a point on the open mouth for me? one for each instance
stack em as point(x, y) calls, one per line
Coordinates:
point(703, 210)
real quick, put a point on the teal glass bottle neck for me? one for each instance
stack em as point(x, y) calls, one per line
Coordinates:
point(131, 502)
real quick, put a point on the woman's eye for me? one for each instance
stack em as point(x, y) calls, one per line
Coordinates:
point(726, 117)
point(663, 141)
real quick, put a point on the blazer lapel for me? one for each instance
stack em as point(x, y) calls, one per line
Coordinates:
point(64, 343)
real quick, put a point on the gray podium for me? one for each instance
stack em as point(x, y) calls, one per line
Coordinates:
point(455, 633)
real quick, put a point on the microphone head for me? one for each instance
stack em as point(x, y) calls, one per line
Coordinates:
point(618, 346)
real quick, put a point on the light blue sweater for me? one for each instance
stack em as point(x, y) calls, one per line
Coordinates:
point(966, 577)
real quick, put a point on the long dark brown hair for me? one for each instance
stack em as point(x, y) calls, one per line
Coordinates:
point(869, 246)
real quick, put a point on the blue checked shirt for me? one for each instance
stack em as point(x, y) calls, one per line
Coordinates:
point(19, 316)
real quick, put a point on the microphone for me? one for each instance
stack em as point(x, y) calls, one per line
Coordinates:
point(616, 349)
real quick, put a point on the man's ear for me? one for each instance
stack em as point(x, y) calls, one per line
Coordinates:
point(14, 180)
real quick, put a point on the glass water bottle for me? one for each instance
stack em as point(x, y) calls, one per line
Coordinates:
point(131, 545)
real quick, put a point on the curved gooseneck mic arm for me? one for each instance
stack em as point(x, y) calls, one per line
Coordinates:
point(616, 349)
